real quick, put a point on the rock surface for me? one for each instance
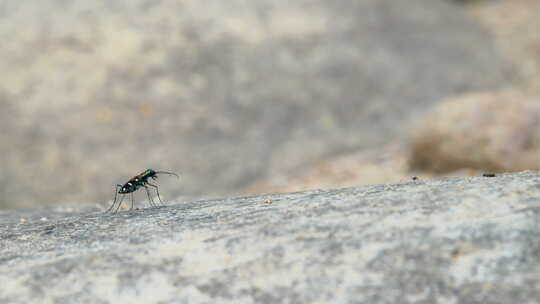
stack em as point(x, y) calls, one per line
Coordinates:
point(458, 240)
point(224, 92)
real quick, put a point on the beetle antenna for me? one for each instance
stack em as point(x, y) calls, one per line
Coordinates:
point(165, 172)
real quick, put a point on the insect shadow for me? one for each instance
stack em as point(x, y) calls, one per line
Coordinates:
point(140, 180)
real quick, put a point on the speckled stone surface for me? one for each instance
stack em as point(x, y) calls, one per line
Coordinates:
point(459, 240)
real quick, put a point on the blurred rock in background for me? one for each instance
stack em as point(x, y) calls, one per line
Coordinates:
point(229, 94)
point(497, 132)
point(467, 134)
point(515, 27)
point(385, 164)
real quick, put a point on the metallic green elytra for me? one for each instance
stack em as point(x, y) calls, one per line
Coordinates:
point(140, 180)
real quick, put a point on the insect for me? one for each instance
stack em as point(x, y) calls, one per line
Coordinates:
point(140, 180)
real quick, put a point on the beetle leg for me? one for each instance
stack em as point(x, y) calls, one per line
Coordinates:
point(131, 202)
point(115, 196)
point(119, 203)
point(157, 191)
point(150, 201)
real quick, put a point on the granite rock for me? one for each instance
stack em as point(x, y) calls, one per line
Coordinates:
point(456, 240)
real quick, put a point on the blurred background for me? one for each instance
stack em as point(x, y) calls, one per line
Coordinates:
point(245, 97)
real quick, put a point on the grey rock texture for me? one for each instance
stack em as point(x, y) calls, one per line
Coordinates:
point(227, 93)
point(458, 240)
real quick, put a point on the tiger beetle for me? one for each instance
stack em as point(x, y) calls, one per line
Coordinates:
point(134, 183)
